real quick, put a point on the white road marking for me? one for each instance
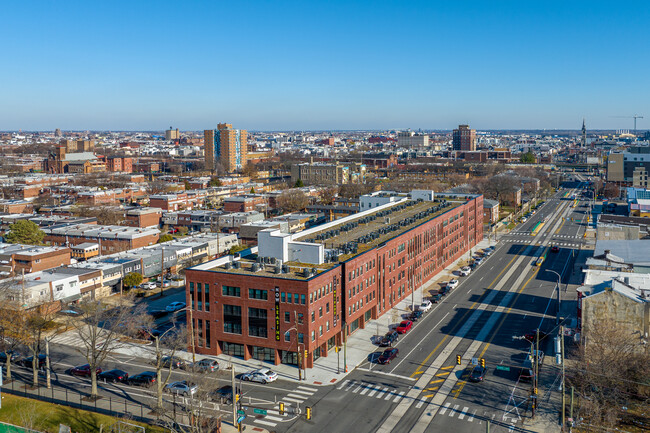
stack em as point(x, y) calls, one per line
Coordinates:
point(355, 390)
point(373, 392)
point(399, 397)
point(293, 400)
point(453, 411)
point(346, 381)
point(444, 408)
point(365, 390)
point(389, 395)
point(273, 418)
point(463, 412)
point(296, 396)
point(471, 417)
point(261, 421)
point(306, 388)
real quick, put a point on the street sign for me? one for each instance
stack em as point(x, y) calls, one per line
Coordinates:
point(240, 419)
point(260, 411)
point(241, 412)
point(503, 368)
point(474, 361)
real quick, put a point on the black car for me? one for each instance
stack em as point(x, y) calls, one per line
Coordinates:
point(443, 291)
point(174, 361)
point(158, 313)
point(388, 356)
point(223, 394)
point(27, 362)
point(478, 374)
point(113, 376)
point(146, 378)
point(436, 298)
point(389, 339)
point(415, 315)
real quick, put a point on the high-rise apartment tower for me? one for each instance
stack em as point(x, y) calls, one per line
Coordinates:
point(227, 146)
point(464, 138)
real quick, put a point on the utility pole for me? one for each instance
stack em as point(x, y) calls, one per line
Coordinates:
point(345, 347)
point(536, 356)
point(295, 325)
point(48, 379)
point(234, 395)
point(563, 393)
point(193, 336)
point(162, 269)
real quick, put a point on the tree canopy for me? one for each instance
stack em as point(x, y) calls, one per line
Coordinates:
point(165, 238)
point(527, 158)
point(25, 232)
point(132, 279)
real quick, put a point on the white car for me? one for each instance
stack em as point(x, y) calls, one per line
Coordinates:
point(425, 306)
point(148, 285)
point(464, 271)
point(478, 261)
point(175, 306)
point(452, 284)
point(181, 388)
point(263, 375)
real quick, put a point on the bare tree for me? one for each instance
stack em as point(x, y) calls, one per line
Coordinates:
point(328, 195)
point(292, 200)
point(34, 326)
point(101, 327)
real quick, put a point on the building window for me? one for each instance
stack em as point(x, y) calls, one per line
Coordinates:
point(313, 335)
point(289, 298)
point(327, 307)
point(231, 291)
point(287, 316)
point(313, 316)
point(320, 312)
point(303, 299)
point(257, 322)
point(232, 319)
point(328, 325)
point(301, 338)
point(320, 330)
point(207, 297)
point(300, 317)
point(282, 297)
point(287, 337)
point(257, 294)
point(296, 298)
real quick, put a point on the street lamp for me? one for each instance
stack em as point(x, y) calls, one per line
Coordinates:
point(559, 301)
point(188, 309)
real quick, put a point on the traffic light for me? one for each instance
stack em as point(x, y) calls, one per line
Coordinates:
point(458, 359)
point(281, 408)
point(483, 362)
point(535, 390)
point(237, 396)
point(308, 412)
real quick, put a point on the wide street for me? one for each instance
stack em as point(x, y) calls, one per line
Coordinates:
point(423, 389)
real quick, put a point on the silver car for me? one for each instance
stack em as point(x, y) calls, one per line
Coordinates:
point(263, 375)
point(181, 388)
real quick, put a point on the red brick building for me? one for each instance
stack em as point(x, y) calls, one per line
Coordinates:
point(144, 217)
point(16, 258)
point(278, 314)
point(121, 164)
point(111, 239)
point(243, 203)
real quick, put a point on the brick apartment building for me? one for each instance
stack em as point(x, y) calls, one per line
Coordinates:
point(143, 217)
point(119, 164)
point(178, 201)
point(243, 203)
point(276, 310)
point(16, 258)
point(111, 239)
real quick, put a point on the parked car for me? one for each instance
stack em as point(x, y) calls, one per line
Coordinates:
point(452, 284)
point(175, 306)
point(404, 327)
point(477, 374)
point(70, 313)
point(174, 361)
point(414, 316)
point(389, 339)
point(181, 388)
point(388, 355)
point(114, 376)
point(207, 365)
point(478, 261)
point(166, 283)
point(158, 313)
point(464, 271)
point(488, 251)
point(263, 375)
point(83, 370)
point(149, 285)
point(555, 249)
point(146, 378)
point(436, 298)
point(223, 394)
point(27, 362)
point(425, 306)
point(443, 291)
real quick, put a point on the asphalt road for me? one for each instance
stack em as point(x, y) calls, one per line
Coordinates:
point(423, 389)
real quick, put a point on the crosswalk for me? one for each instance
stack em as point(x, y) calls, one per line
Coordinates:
point(529, 241)
point(71, 338)
point(368, 389)
point(295, 398)
point(463, 414)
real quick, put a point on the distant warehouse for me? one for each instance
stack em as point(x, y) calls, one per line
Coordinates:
point(303, 293)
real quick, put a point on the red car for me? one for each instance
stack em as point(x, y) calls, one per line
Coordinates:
point(83, 370)
point(405, 326)
point(555, 249)
point(387, 356)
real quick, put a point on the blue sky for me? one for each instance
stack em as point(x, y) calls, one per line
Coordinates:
point(262, 65)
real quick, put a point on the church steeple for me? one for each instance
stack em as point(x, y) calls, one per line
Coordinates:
point(584, 133)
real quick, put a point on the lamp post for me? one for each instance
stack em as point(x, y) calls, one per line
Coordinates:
point(188, 309)
point(559, 301)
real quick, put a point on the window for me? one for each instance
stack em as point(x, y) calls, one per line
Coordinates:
point(328, 325)
point(287, 316)
point(311, 298)
point(207, 297)
point(289, 298)
point(257, 322)
point(287, 336)
point(207, 334)
point(300, 317)
point(313, 335)
point(59, 287)
point(231, 291)
point(257, 294)
point(327, 307)
point(320, 312)
point(301, 337)
point(295, 298)
point(303, 299)
point(320, 330)
point(282, 296)
point(232, 319)
point(191, 286)
point(313, 316)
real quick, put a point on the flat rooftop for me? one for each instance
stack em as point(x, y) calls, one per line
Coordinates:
point(348, 237)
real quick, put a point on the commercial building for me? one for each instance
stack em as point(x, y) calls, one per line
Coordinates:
point(464, 138)
point(303, 293)
point(172, 134)
point(17, 258)
point(319, 173)
point(143, 217)
point(227, 146)
point(622, 165)
point(410, 139)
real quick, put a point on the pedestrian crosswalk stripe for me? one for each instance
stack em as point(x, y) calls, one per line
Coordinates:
point(273, 418)
point(293, 400)
point(357, 389)
point(306, 388)
point(399, 397)
point(344, 383)
point(300, 391)
point(453, 411)
point(463, 412)
point(389, 395)
point(471, 417)
point(373, 392)
point(444, 408)
point(261, 421)
point(365, 390)
point(296, 396)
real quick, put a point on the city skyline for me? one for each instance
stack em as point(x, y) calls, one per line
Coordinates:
point(339, 66)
